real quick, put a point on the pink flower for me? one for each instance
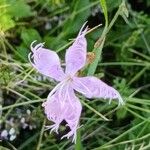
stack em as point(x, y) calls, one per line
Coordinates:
point(62, 103)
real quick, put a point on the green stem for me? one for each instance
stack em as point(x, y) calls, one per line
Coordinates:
point(100, 44)
point(41, 135)
point(23, 103)
point(78, 145)
point(92, 109)
point(120, 136)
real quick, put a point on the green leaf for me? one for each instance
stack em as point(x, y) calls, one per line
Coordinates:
point(80, 13)
point(54, 42)
point(121, 113)
point(29, 35)
point(23, 51)
point(98, 49)
point(19, 8)
point(78, 145)
point(104, 8)
point(111, 4)
point(6, 22)
point(3, 148)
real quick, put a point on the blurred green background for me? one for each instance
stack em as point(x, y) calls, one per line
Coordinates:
point(123, 63)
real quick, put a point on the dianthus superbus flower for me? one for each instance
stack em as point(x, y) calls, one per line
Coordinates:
point(62, 103)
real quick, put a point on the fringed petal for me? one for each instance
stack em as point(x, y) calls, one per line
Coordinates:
point(54, 112)
point(72, 115)
point(46, 61)
point(76, 54)
point(92, 87)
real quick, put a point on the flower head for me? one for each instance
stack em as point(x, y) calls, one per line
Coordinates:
point(62, 103)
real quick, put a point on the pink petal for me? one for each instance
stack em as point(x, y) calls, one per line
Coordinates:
point(72, 114)
point(92, 87)
point(46, 62)
point(76, 54)
point(54, 112)
point(63, 105)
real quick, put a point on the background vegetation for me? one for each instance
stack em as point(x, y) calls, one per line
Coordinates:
point(122, 60)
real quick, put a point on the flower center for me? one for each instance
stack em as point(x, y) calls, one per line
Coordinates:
point(68, 79)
